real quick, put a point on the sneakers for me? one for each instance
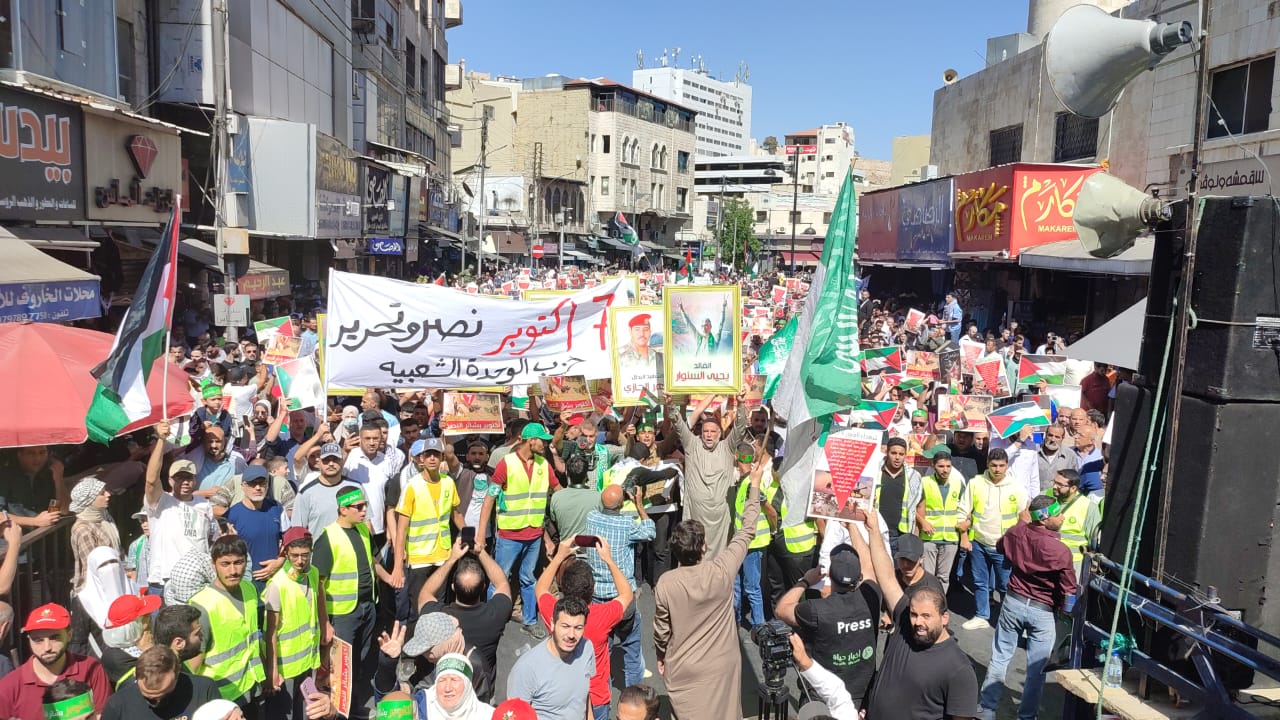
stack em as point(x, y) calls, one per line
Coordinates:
point(535, 630)
point(986, 714)
point(976, 623)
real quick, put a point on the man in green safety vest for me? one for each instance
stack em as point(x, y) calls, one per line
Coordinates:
point(1080, 515)
point(296, 620)
point(937, 515)
point(748, 579)
point(233, 657)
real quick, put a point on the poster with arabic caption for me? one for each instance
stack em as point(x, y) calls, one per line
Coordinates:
point(961, 412)
point(844, 474)
point(702, 345)
point(566, 393)
point(637, 352)
point(394, 334)
point(278, 340)
point(465, 412)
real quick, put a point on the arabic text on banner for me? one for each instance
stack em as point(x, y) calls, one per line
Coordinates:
point(389, 333)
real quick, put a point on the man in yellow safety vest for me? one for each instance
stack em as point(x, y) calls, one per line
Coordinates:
point(937, 515)
point(1080, 515)
point(427, 504)
point(748, 579)
point(233, 657)
point(296, 622)
point(995, 502)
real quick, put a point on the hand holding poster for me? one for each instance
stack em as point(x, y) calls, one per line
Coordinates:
point(754, 386)
point(466, 412)
point(914, 319)
point(702, 348)
point(970, 351)
point(989, 377)
point(278, 340)
point(637, 351)
point(299, 382)
point(922, 364)
point(964, 412)
point(845, 474)
point(568, 393)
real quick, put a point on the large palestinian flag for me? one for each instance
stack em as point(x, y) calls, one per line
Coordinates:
point(1011, 419)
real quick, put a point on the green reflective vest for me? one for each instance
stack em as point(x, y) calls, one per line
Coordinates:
point(342, 587)
point(298, 631)
point(940, 507)
point(1072, 532)
point(526, 497)
point(233, 660)
point(762, 523)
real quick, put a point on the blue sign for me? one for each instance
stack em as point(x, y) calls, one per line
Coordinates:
point(239, 178)
point(386, 246)
point(49, 301)
point(926, 221)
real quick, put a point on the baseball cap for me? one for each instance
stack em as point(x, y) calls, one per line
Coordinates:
point(641, 319)
point(182, 466)
point(424, 445)
point(127, 608)
point(910, 547)
point(294, 534)
point(331, 450)
point(534, 430)
point(845, 568)
point(140, 515)
point(253, 472)
point(48, 617)
point(514, 709)
point(431, 630)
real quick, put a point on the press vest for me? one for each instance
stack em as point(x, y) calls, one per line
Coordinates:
point(526, 497)
point(1072, 532)
point(940, 508)
point(428, 534)
point(762, 523)
point(342, 588)
point(234, 659)
point(297, 635)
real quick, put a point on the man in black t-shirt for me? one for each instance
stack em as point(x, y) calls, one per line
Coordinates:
point(482, 621)
point(839, 631)
point(911, 574)
point(160, 691)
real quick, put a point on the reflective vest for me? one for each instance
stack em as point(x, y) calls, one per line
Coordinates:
point(762, 523)
point(428, 535)
point(802, 538)
point(526, 497)
point(233, 660)
point(298, 631)
point(342, 587)
point(904, 522)
point(940, 508)
point(1072, 532)
point(1009, 489)
point(612, 477)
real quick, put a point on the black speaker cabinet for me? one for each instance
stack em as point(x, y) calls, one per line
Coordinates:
point(1233, 351)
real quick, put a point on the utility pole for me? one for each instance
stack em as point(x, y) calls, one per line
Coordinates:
point(484, 212)
point(536, 210)
point(562, 220)
point(795, 203)
point(222, 108)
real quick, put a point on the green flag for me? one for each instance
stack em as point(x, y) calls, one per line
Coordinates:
point(773, 356)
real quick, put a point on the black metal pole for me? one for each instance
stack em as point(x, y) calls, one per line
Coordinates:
point(795, 203)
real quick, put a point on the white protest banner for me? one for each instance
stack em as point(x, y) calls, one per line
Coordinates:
point(388, 333)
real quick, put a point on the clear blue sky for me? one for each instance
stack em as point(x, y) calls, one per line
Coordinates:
point(872, 65)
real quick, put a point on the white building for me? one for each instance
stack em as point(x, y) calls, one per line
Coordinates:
point(724, 107)
point(823, 172)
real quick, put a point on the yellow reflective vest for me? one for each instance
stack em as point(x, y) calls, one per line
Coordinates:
point(234, 658)
point(342, 587)
point(762, 523)
point(525, 497)
point(298, 632)
point(940, 507)
point(1072, 532)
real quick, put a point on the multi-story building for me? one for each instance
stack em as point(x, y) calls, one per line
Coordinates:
point(910, 162)
point(724, 107)
point(823, 172)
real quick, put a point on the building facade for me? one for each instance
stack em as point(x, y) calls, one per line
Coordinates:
point(724, 107)
point(823, 172)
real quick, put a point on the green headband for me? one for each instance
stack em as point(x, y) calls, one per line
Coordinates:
point(920, 413)
point(350, 497)
point(1046, 512)
point(454, 664)
point(70, 709)
point(395, 710)
point(210, 391)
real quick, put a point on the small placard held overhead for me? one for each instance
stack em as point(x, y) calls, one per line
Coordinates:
point(231, 310)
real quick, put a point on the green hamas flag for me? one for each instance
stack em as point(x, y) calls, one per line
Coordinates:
point(831, 371)
point(773, 356)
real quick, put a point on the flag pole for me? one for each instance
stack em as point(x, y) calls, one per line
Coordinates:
point(164, 379)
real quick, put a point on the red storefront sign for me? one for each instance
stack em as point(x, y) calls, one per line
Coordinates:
point(1014, 207)
point(878, 225)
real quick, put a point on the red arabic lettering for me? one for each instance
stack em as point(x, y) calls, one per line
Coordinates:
point(49, 145)
point(603, 325)
point(534, 333)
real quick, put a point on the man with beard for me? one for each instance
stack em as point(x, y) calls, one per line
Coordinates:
point(162, 690)
point(230, 608)
point(178, 628)
point(710, 470)
point(1053, 457)
point(924, 675)
point(1080, 515)
point(217, 465)
point(899, 491)
point(471, 475)
point(22, 691)
point(316, 506)
point(555, 676)
point(966, 456)
point(759, 431)
point(642, 442)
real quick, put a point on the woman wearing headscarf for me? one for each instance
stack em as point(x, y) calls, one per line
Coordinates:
point(93, 527)
point(453, 697)
point(104, 581)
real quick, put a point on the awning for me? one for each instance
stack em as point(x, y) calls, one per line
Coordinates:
point(1070, 255)
point(981, 256)
point(41, 288)
point(802, 258)
point(673, 255)
point(510, 242)
point(51, 238)
point(261, 282)
point(1115, 342)
point(439, 232)
point(650, 246)
point(616, 243)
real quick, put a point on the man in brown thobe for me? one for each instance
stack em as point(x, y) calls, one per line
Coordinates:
point(709, 472)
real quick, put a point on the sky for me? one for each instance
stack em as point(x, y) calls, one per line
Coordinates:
point(874, 66)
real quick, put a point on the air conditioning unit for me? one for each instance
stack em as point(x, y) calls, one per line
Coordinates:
point(928, 172)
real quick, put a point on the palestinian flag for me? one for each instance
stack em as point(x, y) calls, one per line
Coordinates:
point(440, 280)
point(686, 268)
point(883, 359)
point(872, 414)
point(121, 397)
point(626, 233)
point(1011, 419)
point(1050, 368)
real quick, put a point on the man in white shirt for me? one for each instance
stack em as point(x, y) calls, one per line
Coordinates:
point(179, 521)
point(366, 465)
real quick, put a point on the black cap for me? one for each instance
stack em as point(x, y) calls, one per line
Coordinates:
point(845, 569)
point(910, 547)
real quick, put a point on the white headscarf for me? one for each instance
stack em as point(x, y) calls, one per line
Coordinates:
point(104, 581)
point(469, 707)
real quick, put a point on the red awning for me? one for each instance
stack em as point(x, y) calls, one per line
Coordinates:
point(802, 258)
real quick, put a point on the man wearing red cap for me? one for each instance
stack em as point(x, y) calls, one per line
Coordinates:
point(22, 691)
point(296, 618)
point(638, 351)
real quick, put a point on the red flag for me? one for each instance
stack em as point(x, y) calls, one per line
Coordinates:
point(440, 280)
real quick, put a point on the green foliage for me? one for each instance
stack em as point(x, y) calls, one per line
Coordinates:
point(736, 231)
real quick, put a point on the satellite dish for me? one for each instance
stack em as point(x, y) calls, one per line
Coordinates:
point(1090, 56)
point(1110, 215)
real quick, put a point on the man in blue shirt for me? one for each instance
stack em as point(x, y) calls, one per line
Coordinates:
point(952, 316)
point(257, 522)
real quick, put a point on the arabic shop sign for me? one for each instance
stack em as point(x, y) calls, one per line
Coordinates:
point(134, 169)
point(877, 225)
point(376, 188)
point(925, 221)
point(266, 284)
point(389, 333)
point(49, 301)
point(1014, 207)
point(41, 158)
point(337, 190)
point(386, 246)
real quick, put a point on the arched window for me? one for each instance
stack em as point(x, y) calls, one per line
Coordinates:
point(662, 158)
point(626, 149)
point(557, 201)
point(579, 207)
point(653, 156)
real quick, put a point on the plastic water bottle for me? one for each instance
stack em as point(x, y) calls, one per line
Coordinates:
point(1115, 670)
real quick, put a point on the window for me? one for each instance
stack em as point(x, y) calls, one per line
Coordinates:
point(682, 198)
point(410, 65)
point(831, 173)
point(762, 216)
point(592, 146)
point(1241, 98)
point(829, 157)
point(604, 179)
point(1074, 137)
point(829, 141)
point(653, 157)
point(1005, 145)
point(653, 194)
point(488, 112)
point(604, 148)
point(124, 59)
point(826, 218)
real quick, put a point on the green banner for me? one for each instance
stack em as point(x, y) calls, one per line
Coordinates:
point(773, 356)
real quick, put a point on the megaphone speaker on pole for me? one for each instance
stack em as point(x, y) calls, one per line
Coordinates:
point(1090, 55)
point(1110, 215)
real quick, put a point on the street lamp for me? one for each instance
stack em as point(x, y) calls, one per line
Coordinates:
point(795, 204)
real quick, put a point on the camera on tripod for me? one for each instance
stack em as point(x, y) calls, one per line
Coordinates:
point(773, 640)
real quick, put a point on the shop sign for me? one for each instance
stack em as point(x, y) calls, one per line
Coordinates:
point(437, 210)
point(925, 221)
point(1013, 207)
point(41, 158)
point(385, 246)
point(1250, 176)
point(263, 285)
point(239, 174)
point(376, 186)
point(397, 207)
point(49, 301)
point(878, 219)
point(337, 190)
point(413, 210)
point(134, 170)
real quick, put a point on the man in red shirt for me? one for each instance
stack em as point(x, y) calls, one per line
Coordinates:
point(1095, 389)
point(1043, 578)
point(22, 691)
point(577, 581)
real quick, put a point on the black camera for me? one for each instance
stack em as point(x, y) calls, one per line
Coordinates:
point(773, 640)
point(643, 477)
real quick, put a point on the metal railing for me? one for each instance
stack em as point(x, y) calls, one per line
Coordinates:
point(45, 569)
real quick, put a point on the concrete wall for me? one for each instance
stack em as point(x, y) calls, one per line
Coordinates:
point(910, 153)
point(466, 106)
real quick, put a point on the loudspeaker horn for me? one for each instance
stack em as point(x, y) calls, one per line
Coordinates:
point(949, 76)
point(1090, 55)
point(1110, 215)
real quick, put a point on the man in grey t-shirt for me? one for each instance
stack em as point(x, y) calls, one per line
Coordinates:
point(316, 506)
point(555, 675)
